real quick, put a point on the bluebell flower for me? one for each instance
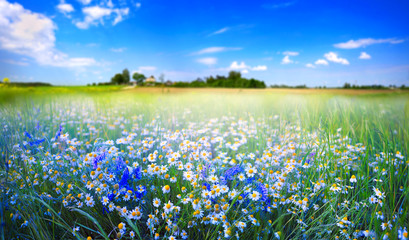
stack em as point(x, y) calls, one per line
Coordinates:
point(137, 173)
point(99, 158)
point(36, 142)
point(58, 134)
point(264, 193)
point(206, 185)
point(140, 192)
point(104, 210)
point(124, 179)
point(111, 196)
point(250, 180)
point(28, 134)
point(120, 164)
point(229, 174)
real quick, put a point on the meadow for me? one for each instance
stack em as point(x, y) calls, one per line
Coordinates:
point(153, 163)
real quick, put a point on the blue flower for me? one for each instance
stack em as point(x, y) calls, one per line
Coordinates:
point(137, 173)
point(36, 142)
point(264, 193)
point(120, 164)
point(58, 134)
point(229, 174)
point(28, 134)
point(111, 196)
point(206, 185)
point(124, 179)
point(99, 158)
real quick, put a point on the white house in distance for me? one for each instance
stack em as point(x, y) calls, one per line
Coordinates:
point(150, 80)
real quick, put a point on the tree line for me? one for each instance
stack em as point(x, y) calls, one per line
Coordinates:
point(233, 80)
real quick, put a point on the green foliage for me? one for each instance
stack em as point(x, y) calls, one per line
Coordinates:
point(139, 78)
point(127, 76)
point(234, 80)
point(374, 86)
point(118, 79)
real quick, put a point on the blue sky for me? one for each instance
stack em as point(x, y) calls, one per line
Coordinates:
point(75, 42)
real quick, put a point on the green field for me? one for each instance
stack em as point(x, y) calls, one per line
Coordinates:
point(160, 163)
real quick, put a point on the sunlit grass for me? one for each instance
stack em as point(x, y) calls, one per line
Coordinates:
point(318, 139)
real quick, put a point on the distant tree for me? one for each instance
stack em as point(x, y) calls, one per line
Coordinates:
point(126, 75)
point(210, 80)
point(139, 78)
point(233, 75)
point(118, 79)
point(162, 78)
point(6, 80)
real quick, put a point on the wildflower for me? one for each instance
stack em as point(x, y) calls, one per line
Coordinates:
point(156, 202)
point(105, 200)
point(373, 200)
point(402, 233)
point(213, 179)
point(385, 225)
point(378, 193)
point(122, 228)
point(255, 196)
point(168, 207)
point(229, 174)
point(335, 188)
point(89, 200)
point(241, 225)
point(184, 234)
point(250, 171)
point(75, 229)
point(353, 179)
point(166, 189)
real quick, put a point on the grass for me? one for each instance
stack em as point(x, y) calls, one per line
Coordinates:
point(298, 137)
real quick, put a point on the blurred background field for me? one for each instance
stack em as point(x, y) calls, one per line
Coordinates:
point(378, 117)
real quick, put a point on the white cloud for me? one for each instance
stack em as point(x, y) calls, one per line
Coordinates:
point(95, 15)
point(32, 34)
point(219, 31)
point(310, 65)
point(289, 53)
point(146, 69)
point(286, 60)
point(117, 50)
point(120, 13)
point(79, 62)
point(11, 61)
point(259, 68)
point(243, 67)
point(84, 2)
point(235, 66)
point(207, 61)
point(364, 55)
point(65, 7)
point(138, 4)
point(333, 57)
point(216, 50)
point(321, 62)
point(363, 42)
